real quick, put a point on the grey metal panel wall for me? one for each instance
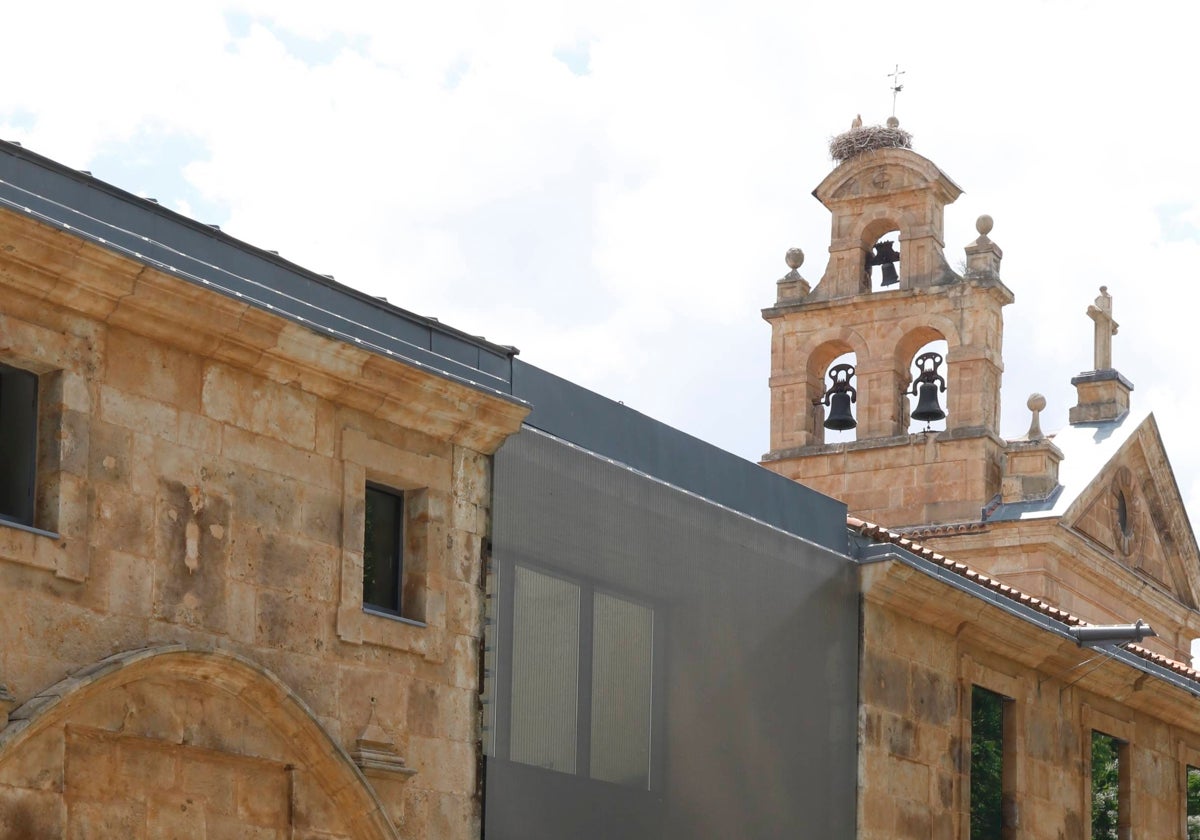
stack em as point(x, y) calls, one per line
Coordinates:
point(601, 425)
point(755, 660)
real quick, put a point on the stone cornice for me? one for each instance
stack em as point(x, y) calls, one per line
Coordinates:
point(978, 626)
point(51, 267)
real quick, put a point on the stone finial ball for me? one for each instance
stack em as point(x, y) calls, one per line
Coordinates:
point(794, 258)
point(1036, 402)
point(892, 122)
point(984, 224)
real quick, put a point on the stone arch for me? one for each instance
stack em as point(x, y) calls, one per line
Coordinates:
point(869, 228)
point(910, 336)
point(879, 191)
point(278, 730)
point(826, 346)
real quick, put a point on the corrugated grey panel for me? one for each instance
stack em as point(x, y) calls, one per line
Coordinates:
point(755, 643)
point(601, 425)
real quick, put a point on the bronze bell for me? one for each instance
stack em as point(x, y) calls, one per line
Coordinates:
point(885, 256)
point(889, 275)
point(928, 408)
point(839, 397)
point(925, 388)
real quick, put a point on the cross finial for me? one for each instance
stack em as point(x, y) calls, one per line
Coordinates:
point(1105, 329)
point(896, 86)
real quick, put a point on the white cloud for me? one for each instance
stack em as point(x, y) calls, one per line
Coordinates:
point(624, 226)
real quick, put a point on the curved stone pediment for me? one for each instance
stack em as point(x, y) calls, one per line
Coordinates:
point(884, 172)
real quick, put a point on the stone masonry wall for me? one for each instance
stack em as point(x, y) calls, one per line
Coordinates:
point(200, 503)
point(915, 731)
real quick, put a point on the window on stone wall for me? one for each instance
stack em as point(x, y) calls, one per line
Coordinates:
point(991, 764)
point(1110, 787)
point(18, 444)
point(383, 550)
point(1193, 803)
point(582, 680)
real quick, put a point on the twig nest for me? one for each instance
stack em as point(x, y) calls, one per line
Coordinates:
point(858, 140)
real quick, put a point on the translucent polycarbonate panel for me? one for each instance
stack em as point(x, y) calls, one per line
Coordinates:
point(622, 687)
point(545, 671)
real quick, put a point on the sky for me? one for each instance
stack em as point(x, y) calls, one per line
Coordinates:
point(612, 187)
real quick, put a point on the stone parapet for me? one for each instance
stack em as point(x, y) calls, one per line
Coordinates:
point(1030, 470)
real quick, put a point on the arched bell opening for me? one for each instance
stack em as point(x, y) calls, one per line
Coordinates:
point(881, 256)
point(837, 406)
point(925, 396)
point(836, 352)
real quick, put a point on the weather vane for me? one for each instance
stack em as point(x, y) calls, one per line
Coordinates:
point(896, 86)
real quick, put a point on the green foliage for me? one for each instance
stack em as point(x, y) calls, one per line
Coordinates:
point(1105, 786)
point(987, 764)
point(1193, 803)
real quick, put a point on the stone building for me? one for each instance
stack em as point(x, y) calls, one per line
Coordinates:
point(253, 525)
point(1086, 526)
point(284, 560)
point(212, 465)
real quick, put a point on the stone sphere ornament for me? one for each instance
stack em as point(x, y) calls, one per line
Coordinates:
point(794, 258)
point(984, 224)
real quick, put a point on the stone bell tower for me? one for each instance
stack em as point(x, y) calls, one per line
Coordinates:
point(886, 473)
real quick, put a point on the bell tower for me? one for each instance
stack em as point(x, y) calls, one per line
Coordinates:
point(922, 330)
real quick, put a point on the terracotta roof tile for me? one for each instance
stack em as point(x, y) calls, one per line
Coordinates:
point(881, 534)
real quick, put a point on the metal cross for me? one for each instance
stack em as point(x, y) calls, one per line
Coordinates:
point(896, 86)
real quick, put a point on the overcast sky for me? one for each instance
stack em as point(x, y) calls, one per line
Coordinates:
point(612, 186)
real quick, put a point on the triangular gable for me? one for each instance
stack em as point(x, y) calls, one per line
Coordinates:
point(1132, 507)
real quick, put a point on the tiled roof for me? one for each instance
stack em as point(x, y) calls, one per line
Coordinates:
point(1171, 664)
point(878, 533)
point(944, 530)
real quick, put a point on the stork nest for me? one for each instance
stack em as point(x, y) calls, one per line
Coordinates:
point(858, 140)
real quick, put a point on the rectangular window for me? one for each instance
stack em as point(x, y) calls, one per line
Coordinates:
point(582, 694)
point(1193, 803)
point(988, 756)
point(545, 671)
point(383, 550)
point(622, 659)
point(1110, 788)
point(18, 444)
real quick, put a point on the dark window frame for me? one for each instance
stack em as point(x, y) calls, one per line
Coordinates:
point(1121, 827)
point(19, 417)
point(395, 605)
point(1191, 801)
point(1004, 825)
